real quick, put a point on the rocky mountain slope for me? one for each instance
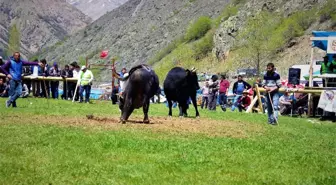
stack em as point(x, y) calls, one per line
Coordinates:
point(136, 30)
point(41, 23)
point(96, 8)
point(317, 15)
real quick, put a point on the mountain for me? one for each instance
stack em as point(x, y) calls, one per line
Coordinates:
point(96, 8)
point(40, 23)
point(135, 31)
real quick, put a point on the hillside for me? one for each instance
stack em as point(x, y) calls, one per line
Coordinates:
point(135, 30)
point(252, 32)
point(40, 23)
point(155, 32)
point(96, 8)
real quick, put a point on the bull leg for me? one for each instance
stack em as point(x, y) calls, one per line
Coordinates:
point(145, 110)
point(184, 110)
point(193, 99)
point(170, 105)
point(181, 109)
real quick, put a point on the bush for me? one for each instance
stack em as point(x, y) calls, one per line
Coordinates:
point(166, 51)
point(228, 11)
point(203, 46)
point(198, 29)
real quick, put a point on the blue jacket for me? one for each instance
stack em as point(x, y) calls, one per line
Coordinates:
point(15, 68)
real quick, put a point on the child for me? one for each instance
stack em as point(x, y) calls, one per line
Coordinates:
point(205, 95)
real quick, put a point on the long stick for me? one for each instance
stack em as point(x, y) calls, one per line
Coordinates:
point(47, 94)
point(269, 96)
point(73, 98)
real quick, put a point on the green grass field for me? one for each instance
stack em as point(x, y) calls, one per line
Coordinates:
point(52, 142)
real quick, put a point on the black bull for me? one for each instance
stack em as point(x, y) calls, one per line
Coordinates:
point(179, 85)
point(141, 85)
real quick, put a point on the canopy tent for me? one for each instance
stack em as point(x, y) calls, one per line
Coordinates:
point(319, 40)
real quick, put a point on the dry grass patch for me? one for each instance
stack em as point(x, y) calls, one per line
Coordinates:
point(204, 126)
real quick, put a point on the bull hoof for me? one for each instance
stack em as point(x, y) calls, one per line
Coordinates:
point(197, 117)
point(181, 117)
point(122, 121)
point(146, 122)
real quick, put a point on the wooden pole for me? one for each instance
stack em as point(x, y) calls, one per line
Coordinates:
point(259, 97)
point(113, 62)
point(310, 80)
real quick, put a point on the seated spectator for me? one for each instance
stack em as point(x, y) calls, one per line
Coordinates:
point(205, 95)
point(285, 103)
point(3, 88)
point(244, 102)
point(25, 91)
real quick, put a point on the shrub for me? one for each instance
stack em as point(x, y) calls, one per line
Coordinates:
point(198, 29)
point(165, 51)
point(228, 11)
point(203, 46)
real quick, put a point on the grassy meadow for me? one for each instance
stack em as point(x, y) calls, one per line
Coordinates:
point(52, 142)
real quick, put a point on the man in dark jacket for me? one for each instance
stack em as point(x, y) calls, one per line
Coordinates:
point(238, 89)
point(66, 73)
point(13, 70)
point(56, 72)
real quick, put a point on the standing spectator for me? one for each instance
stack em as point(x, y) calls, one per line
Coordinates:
point(36, 84)
point(326, 67)
point(13, 70)
point(272, 83)
point(114, 96)
point(205, 95)
point(3, 88)
point(213, 86)
point(56, 72)
point(238, 89)
point(86, 78)
point(73, 85)
point(66, 73)
point(333, 66)
point(25, 92)
point(244, 102)
point(44, 71)
point(224, 86)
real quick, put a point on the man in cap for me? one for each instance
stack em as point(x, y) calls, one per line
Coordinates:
point(86, 78)
point(244, 102)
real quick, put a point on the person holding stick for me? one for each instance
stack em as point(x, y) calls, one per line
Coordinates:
point(272, 83)
point(13, 70)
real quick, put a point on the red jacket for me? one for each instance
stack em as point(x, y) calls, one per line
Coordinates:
point(224, 86)
point(246, 101)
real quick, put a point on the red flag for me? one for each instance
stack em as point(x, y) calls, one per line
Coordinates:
point(104, 54)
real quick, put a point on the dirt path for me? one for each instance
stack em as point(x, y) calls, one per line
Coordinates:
point(204, 126)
